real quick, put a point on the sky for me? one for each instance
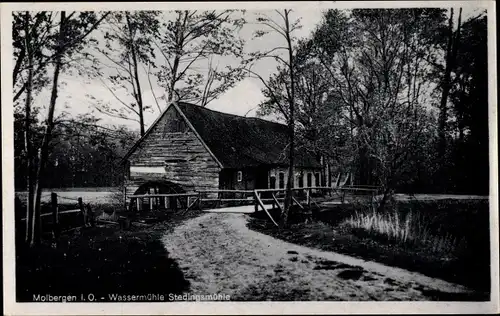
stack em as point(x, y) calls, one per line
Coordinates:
point(242, 99)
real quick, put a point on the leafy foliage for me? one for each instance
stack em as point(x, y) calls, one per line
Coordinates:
point(365, 87)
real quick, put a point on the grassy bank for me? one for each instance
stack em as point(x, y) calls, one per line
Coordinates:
point(447, 239)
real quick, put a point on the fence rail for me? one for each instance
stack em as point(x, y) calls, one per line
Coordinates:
point(218, 198)
point(85, 216)
point(306, 197)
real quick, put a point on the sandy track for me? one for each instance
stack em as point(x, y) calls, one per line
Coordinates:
point(220, 255)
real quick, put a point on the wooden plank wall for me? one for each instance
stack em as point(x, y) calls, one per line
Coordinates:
point(172, 152)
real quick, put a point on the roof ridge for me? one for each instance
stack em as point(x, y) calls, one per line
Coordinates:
point(230, 114)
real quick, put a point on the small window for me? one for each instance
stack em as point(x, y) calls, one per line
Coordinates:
point(317, 178)
point(309, 180)
point(239, 176)
point(301, 180)
point(281, 180)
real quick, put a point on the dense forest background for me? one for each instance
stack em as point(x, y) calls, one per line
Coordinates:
point(340, 80)
point(84, 154)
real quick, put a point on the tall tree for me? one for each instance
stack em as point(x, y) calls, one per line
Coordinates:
point(469, 108)
point(31, 36)
point(318, 127)
point(378, 72)
point(40, 33)
point(189, 42)
point(453, 42)
point(284, 25)
point(128, 49)
point(72, 34)
point(27, 127)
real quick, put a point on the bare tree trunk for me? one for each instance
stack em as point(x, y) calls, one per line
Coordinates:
point(27, 132)
point(289, 185)
point(44, 149)
point(451, 52)
point(19, 61)
point(175, 67)
point(443, 115)
point(291, 127)
point(179, 41)
point(387, 195)
point(138, 95)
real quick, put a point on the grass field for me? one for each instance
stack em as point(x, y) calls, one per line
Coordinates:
point(89, 195)
point(100, 200)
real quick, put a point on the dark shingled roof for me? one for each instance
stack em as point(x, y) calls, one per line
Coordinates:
point(239, 141)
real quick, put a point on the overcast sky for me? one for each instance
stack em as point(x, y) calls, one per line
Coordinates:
point(241, 99)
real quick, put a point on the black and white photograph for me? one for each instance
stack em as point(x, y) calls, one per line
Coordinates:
point(311, 157)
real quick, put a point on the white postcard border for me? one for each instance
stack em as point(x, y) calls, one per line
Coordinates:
point(13, 308)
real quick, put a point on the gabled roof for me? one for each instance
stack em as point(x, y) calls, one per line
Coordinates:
point(238, 141)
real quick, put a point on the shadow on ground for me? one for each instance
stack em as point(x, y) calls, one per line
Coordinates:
point(100, 261)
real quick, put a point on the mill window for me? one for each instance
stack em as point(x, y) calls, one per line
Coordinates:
point(281, 180)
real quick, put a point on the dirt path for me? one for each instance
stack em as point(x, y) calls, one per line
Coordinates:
point(220, 255)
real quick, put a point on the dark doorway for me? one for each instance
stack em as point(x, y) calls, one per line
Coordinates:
point(261, 178)
point(272, 182)
point(226, 179)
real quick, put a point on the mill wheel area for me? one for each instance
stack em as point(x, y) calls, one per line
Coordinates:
point(158, 203)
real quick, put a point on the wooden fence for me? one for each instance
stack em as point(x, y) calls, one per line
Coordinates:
point(187, 201)
point(173, 201)
point(218, 198)
point(59, 221)
point(303, 197)
point(226, 197)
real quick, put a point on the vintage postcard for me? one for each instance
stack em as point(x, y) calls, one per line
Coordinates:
point(249, 158)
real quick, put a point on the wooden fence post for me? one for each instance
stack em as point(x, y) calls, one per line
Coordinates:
point(256, 202)
point(82, 209)
point(199, 201)
point(55, 215)
point(90, 216)
point(308, 197)
point(125, 198)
